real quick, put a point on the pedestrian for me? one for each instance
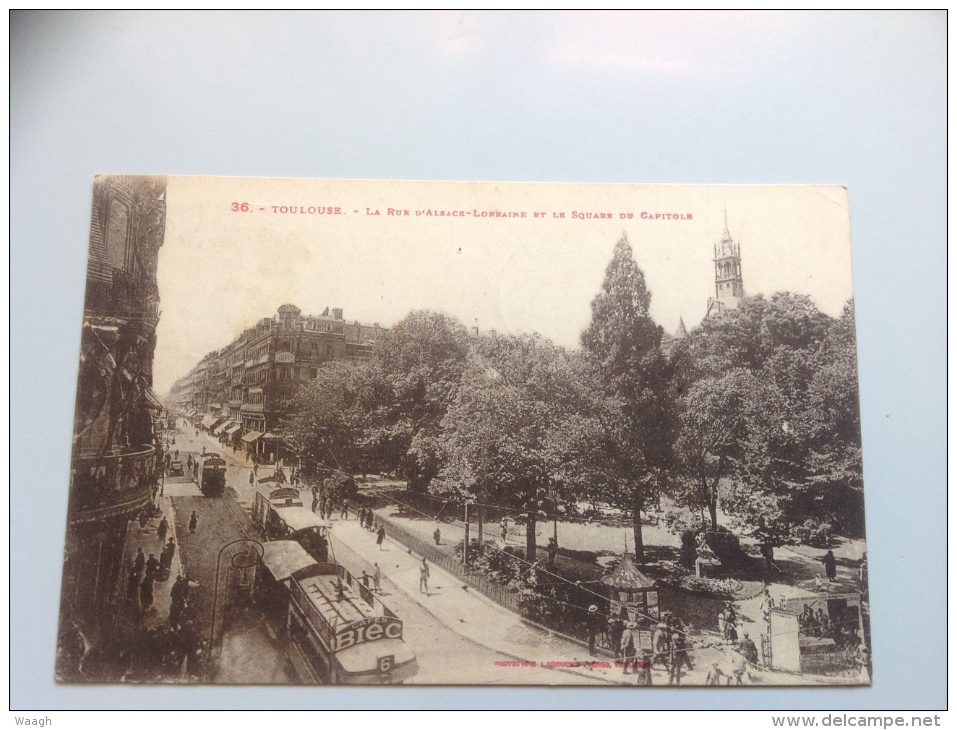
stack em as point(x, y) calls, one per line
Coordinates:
point(748, 649)
point(830, 566)
point(679, 658)
point(737, 665)
point(504, 529)
point(767, 603)
point(616, 630)
point(315, 503)
point(193, 521)
point(144, 518)
point(592, 627)
point(146, 592)
point(166, 559)
point(366, 579)
point(344, 514)
point(152, 567)
point(361, 516)
point(629, 646)
point(380, 537)
point(437, 536)
point(377, 578)
point(661, 641)
point(139, 561)
point(255, 469)
point(252, 479)
point(644, 668)
point(715, 675)
point(370, 516)
point(161, 530)
point(552, 550)
point(423, 575)
point(767, 552)
point(730, 623)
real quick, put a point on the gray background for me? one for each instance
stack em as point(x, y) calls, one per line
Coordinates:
point(849, 98)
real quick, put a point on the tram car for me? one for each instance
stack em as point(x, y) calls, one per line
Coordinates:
point(341, 630)
point(277, 520)
point(212, 475)
point(265, 499)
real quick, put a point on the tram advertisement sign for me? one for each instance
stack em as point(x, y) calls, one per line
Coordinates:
point(370, 629)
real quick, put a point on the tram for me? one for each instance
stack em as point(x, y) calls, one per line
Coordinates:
point(266, 499)
point(212, 475)
point(278, 517)
point(340, 629)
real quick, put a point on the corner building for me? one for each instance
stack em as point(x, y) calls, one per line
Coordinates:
point(242, 391)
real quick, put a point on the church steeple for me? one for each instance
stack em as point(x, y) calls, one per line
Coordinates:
point(728, 282)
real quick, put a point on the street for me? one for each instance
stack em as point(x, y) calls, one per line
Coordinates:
point(253, 652)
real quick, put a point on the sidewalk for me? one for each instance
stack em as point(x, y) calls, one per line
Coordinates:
point(466, 612)
point(146, 538)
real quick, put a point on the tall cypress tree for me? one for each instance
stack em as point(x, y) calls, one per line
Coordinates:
point(623, 344)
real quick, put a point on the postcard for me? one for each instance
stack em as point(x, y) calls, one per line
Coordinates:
point(466, 433)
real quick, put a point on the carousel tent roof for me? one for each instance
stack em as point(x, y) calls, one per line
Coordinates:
point(627, 577)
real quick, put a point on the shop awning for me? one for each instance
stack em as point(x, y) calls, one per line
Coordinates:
point(221, 427)
point(269, 436)
point(252, 436)
point(152, 402)
point(233, 429)
point(208, 421)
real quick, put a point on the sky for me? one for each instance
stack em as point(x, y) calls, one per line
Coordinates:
point(221, 270)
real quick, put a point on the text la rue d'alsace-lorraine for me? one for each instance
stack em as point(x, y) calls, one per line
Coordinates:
point(573, 215)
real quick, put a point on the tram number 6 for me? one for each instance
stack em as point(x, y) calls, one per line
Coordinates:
point(385, 664)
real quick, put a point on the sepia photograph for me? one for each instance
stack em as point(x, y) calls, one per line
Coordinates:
point(368, 432)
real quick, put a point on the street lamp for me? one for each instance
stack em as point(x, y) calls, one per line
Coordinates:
point(246, 555)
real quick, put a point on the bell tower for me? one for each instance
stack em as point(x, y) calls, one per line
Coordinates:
point(728, 283)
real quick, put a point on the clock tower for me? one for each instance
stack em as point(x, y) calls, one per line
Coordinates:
point(728, 283)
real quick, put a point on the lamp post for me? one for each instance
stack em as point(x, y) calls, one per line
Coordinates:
point(242, 559)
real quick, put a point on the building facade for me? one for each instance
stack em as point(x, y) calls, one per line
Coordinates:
point(242, 391)
point(117, 428)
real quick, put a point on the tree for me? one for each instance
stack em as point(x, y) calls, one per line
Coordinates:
point(623, 345)
point(328, 416)
point(769, 409)
point(502, 435)
point(417, 368)
point(710, 442)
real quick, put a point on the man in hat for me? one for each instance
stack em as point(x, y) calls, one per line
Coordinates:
point(629, 646)
point(592, 627)
point(679, 658)
point(661, 641)
point(748, 649)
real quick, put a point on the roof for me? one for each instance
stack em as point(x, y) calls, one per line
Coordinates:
point(284, 557)
point(627, 576)
point(301, 518)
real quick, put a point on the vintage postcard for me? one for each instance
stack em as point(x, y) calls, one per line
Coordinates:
point(447, 433)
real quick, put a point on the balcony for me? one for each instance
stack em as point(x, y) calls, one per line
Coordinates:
point(259, 360)
point(111, 485)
